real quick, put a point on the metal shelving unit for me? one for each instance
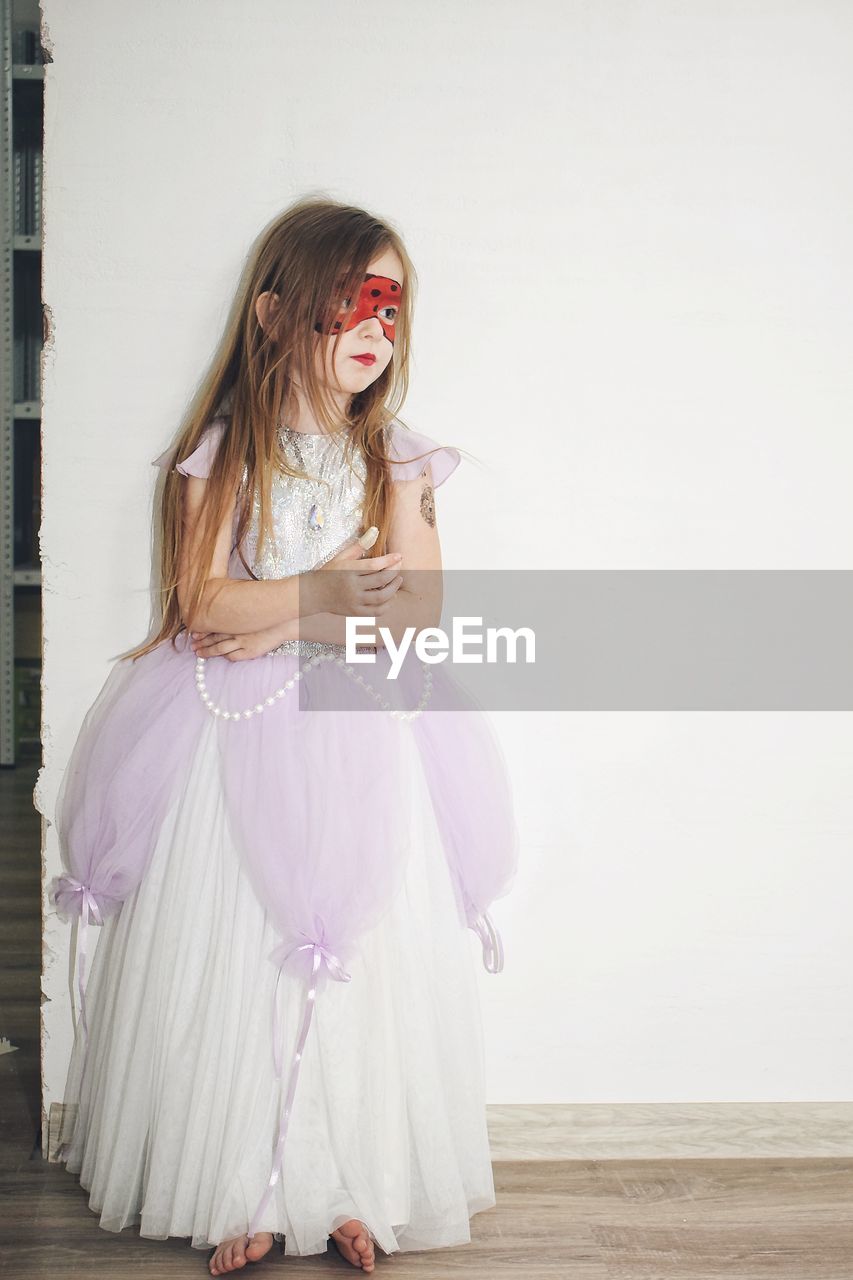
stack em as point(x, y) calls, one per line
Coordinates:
point(20, 382)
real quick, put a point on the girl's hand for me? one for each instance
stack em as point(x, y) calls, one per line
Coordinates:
point(357, 586)
point(250, 644)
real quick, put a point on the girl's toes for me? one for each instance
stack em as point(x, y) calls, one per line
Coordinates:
point(345, 1248)
point(365, 1247)
point(353, 1241)
point(346, 1244)
point(257, 1246)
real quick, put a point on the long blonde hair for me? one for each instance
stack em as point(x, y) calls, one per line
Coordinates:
point(304, 255)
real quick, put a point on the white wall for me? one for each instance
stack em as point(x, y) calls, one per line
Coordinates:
point(631, 224)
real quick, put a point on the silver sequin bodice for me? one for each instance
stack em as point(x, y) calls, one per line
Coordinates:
point(311, 518)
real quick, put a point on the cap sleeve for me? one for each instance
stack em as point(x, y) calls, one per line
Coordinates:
point(199, 462)
point(405, 445)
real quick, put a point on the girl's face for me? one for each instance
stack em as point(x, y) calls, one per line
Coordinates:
point(365, 326)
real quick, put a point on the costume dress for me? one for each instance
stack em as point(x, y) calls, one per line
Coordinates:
point(287, 898)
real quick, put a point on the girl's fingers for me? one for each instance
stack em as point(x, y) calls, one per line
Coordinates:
point(211, 642)
point(228, 648)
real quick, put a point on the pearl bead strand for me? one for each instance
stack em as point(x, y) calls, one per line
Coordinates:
point(260, 707)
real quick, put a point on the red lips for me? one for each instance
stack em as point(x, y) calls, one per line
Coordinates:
point(367, 358)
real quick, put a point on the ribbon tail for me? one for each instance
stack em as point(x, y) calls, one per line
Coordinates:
point(307, 1014)
point(493, 952)
point(88, 902)
point(80, 961)
point(276, 1028)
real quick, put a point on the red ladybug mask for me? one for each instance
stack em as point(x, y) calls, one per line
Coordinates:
point(379, 296)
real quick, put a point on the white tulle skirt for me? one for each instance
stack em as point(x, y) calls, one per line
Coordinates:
point(177, 1110)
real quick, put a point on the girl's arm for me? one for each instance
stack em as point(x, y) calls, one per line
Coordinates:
point(418, 603)
point(271, 607)
point(240, 606)
point(232, 604)
point(412, 531)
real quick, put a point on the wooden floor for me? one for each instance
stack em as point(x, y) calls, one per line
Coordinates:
point(591, 1219)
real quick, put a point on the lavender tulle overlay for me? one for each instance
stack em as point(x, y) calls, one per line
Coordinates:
point(315, 783)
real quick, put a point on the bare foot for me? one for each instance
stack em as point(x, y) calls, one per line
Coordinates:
point(354, 1243)
point(235, 1253)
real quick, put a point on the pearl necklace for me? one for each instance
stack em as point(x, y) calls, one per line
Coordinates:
point(288, 684)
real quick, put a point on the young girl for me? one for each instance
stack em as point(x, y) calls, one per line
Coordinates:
point(284, 882)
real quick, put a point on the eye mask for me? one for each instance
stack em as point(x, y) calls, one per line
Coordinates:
point(379, 296)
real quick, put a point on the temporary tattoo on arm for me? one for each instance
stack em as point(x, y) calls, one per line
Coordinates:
point(427, 504)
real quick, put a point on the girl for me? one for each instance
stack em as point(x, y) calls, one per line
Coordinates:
point(225, 807)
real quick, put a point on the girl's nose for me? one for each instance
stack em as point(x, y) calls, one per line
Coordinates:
point(372, 325)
